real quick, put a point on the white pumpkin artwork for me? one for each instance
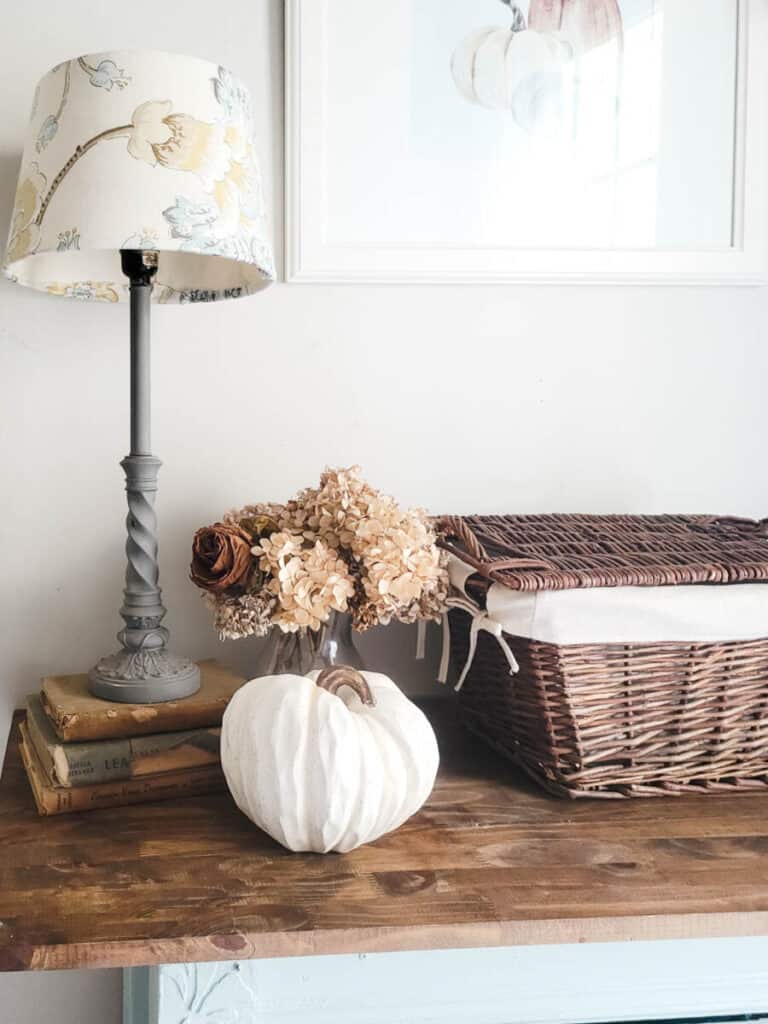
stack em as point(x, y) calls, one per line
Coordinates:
point(327, 761)
point(520, 69)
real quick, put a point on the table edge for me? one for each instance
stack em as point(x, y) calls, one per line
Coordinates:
point(262, 945)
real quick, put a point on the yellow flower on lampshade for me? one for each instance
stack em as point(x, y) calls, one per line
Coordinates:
point(100, 291)
point(25, 231)
point(230, 194)
point(178, 141)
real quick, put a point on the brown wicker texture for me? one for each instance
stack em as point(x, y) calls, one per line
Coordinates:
point(619, 720)
point(562, 552)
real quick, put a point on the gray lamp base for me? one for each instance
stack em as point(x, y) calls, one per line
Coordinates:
point(143, 671)
point(138, 677)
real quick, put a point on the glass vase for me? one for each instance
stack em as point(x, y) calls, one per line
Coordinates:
point(300, 653)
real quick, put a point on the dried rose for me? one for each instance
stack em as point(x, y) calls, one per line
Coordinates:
point(221, 557)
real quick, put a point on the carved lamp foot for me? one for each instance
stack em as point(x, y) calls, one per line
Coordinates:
point(144, 677)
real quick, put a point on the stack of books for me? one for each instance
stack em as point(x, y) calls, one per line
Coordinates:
point(81, 752)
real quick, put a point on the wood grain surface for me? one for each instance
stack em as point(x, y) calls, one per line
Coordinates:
point(488, 861)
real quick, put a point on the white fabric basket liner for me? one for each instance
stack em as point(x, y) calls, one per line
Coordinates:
point(695, 613)
point(700, 613)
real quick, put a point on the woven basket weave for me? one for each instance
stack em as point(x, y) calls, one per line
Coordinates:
point(617, 720)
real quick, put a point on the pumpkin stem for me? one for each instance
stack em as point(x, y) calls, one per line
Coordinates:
point(335, 676)
point(518, 19)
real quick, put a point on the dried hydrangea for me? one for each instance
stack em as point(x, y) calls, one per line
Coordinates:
point(399, 568)
point(236, 617)
point(342, 546)
point(308, 582)
point(256, 519)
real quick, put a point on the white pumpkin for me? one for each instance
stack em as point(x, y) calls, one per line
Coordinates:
point(327, 761)
point(512, 69)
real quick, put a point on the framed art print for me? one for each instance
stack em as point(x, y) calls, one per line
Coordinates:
point(541, 141)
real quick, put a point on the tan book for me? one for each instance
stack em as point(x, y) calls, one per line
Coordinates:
point(88, 762)
point(63, 800)
point(77, 715)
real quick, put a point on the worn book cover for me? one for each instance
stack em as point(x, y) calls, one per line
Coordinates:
point(64, 799)
point(76, 714)
point(85, 763)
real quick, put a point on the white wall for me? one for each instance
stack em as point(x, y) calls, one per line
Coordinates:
point(460, 398)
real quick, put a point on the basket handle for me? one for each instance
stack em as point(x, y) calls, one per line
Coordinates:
point(472, 551)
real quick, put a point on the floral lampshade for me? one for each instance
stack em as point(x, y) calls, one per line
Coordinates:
point(140, 150)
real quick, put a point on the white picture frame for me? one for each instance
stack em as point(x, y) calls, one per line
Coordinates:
point(312, 258)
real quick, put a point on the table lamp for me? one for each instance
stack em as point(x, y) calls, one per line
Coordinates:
point(139, 182)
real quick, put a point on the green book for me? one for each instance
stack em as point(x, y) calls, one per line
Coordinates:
point(115, 760)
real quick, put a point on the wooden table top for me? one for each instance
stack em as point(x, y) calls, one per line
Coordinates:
point(489, 861)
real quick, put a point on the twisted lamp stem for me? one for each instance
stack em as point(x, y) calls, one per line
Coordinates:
point(143, 600)
point(143, 671)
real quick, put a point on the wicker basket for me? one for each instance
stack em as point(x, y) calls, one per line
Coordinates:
point(617, 720)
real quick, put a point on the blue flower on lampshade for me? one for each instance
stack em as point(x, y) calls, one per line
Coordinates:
point(191, 219)
point(105, 74)
point(47, 132)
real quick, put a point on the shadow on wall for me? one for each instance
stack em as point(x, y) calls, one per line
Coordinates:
point(9, 169)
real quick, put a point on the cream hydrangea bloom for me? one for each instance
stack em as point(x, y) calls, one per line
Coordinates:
point(399, 569)
point(308, 582)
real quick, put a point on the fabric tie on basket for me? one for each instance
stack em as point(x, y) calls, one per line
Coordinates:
point(459, 572)
point(479, 621)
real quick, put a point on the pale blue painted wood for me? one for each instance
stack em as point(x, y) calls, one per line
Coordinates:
point(140, 1000)
point(579, 984)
